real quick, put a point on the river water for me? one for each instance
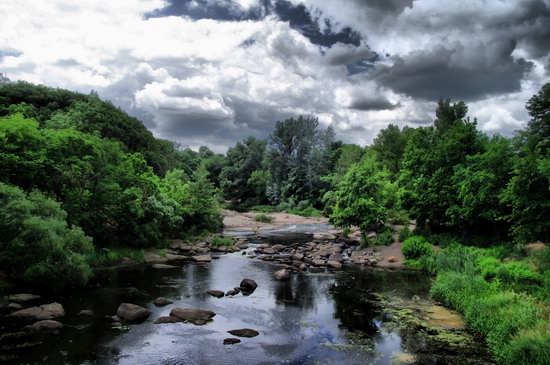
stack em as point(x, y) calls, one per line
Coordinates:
point(311, 319)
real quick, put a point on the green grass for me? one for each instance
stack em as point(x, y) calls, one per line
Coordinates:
point(220, 240)
point(504, 300)
point(264, 218)
point(109, 256)
point(415, 247)
point(263, 208)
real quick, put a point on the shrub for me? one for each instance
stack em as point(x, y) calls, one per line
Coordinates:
point(415, 247)
point(404, 233)
point(219, 240)
point(263, 208)
point(36, 245)
point(384, 238)
point(488, 266)
point(264, 218)
point(518, 272)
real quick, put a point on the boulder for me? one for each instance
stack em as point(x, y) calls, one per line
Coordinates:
point(167, 319)
point(46, 311)
point(324, 236)
point(269, 251)
point(283, 274)
point(86, 312)
point(161, 302)
point(244, 332)
point(22, 298)
point(248, 286)
point(337, 256)
point(44, 325)
point(233, 292)
point(202, 258)
point(14, 306)
point(192, 315)
point(334, 264)
point(231, 341)
point(298, 256)
point(392, 259)
point(131, 312)
point(278, 247)
point(216, 293)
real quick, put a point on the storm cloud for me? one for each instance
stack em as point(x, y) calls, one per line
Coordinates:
point(215, 71)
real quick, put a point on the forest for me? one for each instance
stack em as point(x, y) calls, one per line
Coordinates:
point(80, 178)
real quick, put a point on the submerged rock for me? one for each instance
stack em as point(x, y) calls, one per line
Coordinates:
point(192, 315)
point(44, 325)
point(244, 332)
point(22, 298)
point(46, 311)
point(231, 341)
point(131, 312)
point(86, 312)
point(163, 266)
point(233, 291)
point(216, 293)
point(167, 319)
point(161, 302)
point(282, 274)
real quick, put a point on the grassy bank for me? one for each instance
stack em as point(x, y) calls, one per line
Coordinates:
point(503, 293)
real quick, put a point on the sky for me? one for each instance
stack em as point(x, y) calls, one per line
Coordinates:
point(212, 72)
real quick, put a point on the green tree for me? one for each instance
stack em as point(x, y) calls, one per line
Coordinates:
point(390, 145)
point(37, 246)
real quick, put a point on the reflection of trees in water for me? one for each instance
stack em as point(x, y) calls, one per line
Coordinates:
point(355, 305)
point(299, 291)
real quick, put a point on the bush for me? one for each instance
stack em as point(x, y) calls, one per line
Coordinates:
point(415, 247)
point(36, 244)
point(219, 240)
point(518, 272)
point(263, 208)
point(404, 233)
point(264, 218)
point(384, 238)
point(488, 266)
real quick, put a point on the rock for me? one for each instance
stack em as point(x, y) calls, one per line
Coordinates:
point(44, 325)
point(216, 293)
point(278, 247)
point(233, 291)
point(86, 312)
point(167, 319)
point(46, 311)
point(161, 302)
point(221, 249)
point(131, 312)
point(324, 236)
point(14, 306)
point(202, 258)
point(244, 332)
point(298, 256)
point(248, 286)
point(303, 267)
point(192, 315)
point(392, 259)
point(163, 266)
point(22, 298)
point(283, 274)
point(269, 251)
point(231, 341)
point(334, 264)
point(318, 262)
point(336, 257)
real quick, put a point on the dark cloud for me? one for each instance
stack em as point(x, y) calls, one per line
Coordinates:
point(458, 73)
point(298, 16)
point(365, 103)
point(68, 62)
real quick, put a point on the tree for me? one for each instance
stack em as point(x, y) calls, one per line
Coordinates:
point(362, 197)
point(36, 245)
point(3, 79)
point(447, 114)
point(390, 145)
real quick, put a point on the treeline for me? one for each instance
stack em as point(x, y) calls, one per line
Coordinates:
point(75, 170)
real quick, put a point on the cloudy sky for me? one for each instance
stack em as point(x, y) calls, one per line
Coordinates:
point(215, 71)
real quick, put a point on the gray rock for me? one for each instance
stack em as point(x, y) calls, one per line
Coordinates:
point(202, 258)
point(283, 274)
point(86, 312)
point(318, 262)
point(192, 315)
point(216, 293)
point(233, 292)
point(22, 298)
point(231, 341)
point(46, 311)
point(298, 256)
point(244, 332)
point(44, 325)
point(334, 264)
point(161, 302)
point(131, 312)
